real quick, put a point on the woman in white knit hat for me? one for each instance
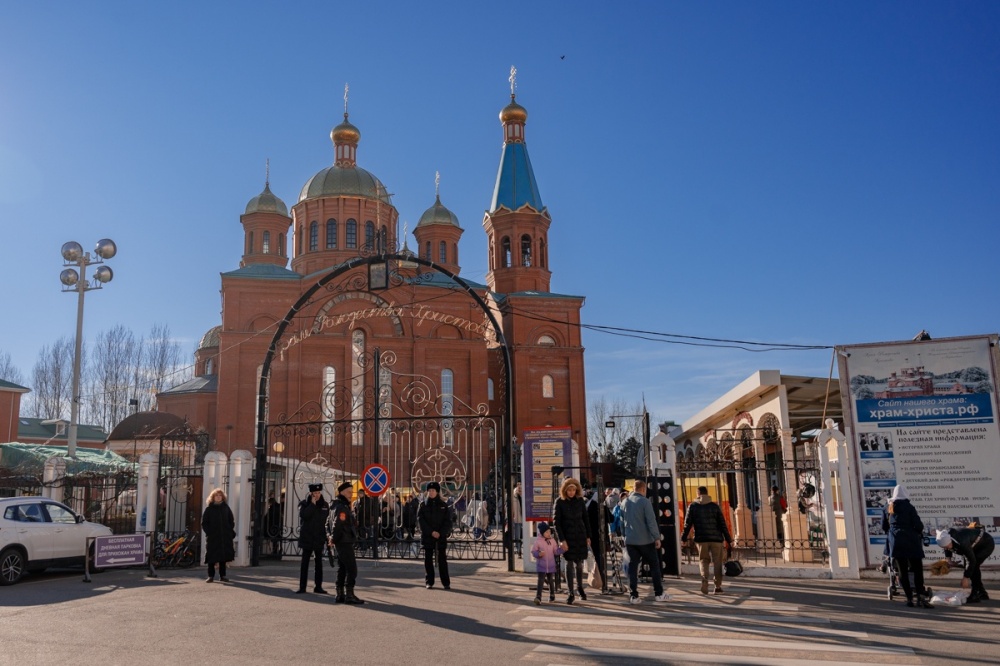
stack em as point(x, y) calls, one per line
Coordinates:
point(975, 544)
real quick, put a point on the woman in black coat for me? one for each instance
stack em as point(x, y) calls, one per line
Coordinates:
point(905, 533)
point(220, 529)
point(573, 530)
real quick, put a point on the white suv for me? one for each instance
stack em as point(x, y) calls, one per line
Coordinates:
point(36, 533)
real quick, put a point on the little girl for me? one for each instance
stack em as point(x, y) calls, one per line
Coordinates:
point(544, 551)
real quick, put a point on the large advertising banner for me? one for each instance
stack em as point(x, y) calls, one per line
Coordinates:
point(544, 448)
point(924, 414)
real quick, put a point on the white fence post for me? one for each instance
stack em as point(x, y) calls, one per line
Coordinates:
point(52, 476)
point(240, 494)
point(837, 570)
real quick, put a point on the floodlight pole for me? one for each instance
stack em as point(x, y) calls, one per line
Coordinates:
point(75, 279)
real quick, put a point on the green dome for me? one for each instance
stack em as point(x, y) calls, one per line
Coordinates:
point(438, 214)
point(266, 202)
point(337, 181)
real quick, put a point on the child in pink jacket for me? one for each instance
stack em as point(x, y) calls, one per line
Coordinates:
point(544, 551)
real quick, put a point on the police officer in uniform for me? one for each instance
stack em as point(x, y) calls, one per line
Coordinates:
point(313, 514)
point(343, 537)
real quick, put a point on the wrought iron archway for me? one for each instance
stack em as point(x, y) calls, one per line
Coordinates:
point(393, 413)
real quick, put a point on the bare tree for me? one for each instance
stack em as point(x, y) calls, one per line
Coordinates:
point(162, 366)
point(52, 381)
point(111, 376)
point(8, 371)
point(604, 442)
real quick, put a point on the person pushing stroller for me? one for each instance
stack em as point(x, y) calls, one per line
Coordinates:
point(905, 537)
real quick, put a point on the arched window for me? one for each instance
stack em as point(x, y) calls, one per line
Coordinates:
point(357, 385)
point(298, 239)
point(443, 252)
point(547, 389)
point(352, 235)
point(328, 391)
point(383, 239)
point(313, 236)
point(331, 234)
point(281, 245)
point(543, 252)
point(489, 389)
point(546, 340)
point(447, 407)
point(267, 242)
point(492, 253)
point(505, 253)
point(526, 250)
point(369, 235)
point(427, 251)
point(250, 242)
point(209, 366)
point(454, 251)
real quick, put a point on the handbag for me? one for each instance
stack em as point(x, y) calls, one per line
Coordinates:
point(594, 580)
point(732, 568)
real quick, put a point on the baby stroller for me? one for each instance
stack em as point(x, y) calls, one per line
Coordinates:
point(889, 568)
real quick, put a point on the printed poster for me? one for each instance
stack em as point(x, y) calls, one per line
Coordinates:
point(925, 416)
point(544, 448)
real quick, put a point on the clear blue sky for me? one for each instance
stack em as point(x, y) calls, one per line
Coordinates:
point(812, 173)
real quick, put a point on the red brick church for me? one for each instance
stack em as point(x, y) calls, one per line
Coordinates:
point(437, 352)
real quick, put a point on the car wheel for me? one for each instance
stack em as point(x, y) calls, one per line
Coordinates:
point(12, 566)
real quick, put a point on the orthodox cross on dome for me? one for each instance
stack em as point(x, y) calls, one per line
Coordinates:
point(346, 90)
point(513, 79)
point(437, 183)
point(267, 171)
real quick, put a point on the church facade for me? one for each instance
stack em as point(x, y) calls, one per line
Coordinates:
point(407, 373)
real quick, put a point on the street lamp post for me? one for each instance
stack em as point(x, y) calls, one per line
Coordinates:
point(75, 279)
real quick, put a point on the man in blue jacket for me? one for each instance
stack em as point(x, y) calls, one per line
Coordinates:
point(642, 541)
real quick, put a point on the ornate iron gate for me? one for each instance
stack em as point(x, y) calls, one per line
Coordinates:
point(741, 483)
point(404, 422)
point(412, 424)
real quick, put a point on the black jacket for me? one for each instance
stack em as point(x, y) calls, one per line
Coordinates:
point(905, 532)
point(220, 529)
point(312, 526)
point(594, 508)
point(573, 527)
point(975, 544)
point(434, 515)
point(345, 527)
point(708, 522)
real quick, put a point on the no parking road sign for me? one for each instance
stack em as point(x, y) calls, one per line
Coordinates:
point(375, 480)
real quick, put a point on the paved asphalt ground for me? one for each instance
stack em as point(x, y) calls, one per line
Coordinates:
point(488, 617)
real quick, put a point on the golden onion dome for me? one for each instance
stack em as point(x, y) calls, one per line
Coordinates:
point(211, 338)
point(513, 112)
point(438, 214)
point(345, 132)
point(266, 202)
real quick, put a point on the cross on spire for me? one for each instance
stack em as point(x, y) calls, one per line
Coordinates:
point(267, 172)
point(513, 79)
point(437, 183)
point(346, 89)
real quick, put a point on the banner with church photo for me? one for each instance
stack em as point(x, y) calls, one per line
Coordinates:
point(924, 414)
